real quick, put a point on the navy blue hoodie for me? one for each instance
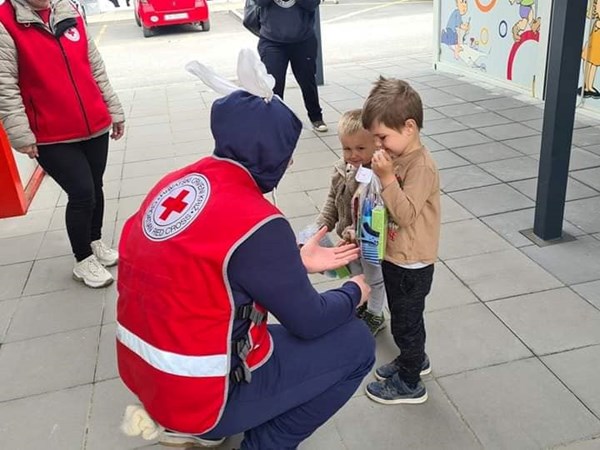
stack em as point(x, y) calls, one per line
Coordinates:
point(267, 267)
point(287, 21)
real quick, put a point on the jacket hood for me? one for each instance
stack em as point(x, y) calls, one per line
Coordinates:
point(259, 135)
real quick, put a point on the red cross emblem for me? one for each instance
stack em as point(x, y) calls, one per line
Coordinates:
point(174, 204)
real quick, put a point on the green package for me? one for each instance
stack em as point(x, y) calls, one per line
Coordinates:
point(379, 223)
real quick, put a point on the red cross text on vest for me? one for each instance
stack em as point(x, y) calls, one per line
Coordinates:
point(174, 204)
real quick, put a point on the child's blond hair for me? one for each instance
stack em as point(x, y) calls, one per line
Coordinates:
point(350, 123)
point(392, 102)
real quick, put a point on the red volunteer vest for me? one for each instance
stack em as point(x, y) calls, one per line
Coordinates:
point(62, 99)
point(175, 310)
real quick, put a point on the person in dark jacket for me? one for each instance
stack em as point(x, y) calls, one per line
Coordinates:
point(287, 35)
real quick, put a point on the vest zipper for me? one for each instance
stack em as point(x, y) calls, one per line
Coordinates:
point(87, 123)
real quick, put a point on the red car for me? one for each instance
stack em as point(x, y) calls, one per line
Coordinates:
point(150, 14)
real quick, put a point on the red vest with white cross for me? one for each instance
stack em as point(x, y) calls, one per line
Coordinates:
point(175, 310)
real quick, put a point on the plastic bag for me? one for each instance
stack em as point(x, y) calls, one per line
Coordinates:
point(372, 218)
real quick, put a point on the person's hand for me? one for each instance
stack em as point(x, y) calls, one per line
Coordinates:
point(365, 289)
point(319, 259)
point(383, 167)
point(349, 235)
point(118, 130)
point(29, 150)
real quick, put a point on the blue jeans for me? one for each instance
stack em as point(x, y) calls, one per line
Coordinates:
point(303, 384)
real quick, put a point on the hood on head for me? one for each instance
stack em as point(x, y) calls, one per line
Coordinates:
point(259, 135)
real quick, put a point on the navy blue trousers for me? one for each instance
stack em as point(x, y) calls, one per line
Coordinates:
point(303, 384)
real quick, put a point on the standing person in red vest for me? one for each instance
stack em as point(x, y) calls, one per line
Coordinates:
point(57, 105)
point(193, 342)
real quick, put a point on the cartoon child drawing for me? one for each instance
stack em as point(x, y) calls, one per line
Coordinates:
point(591, 52)
point(454, 33)
point(527, 13)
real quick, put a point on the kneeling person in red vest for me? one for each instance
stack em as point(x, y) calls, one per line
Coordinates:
point(193, 342)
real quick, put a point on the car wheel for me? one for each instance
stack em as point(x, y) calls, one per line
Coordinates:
point(137, 19)
point(205, 25)
point(148, 32)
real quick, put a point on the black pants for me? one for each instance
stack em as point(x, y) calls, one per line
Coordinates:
point(406, 291)
point(78, 168)
point(303, 57)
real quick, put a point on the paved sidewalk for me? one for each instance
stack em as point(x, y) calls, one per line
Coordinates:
point(513, 329)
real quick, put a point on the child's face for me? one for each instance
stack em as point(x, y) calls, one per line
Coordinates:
point(462, 6)
point(358, 148)
point(395, 142)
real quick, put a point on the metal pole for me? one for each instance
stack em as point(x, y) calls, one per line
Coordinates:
point(320, 78)
point(565, 43)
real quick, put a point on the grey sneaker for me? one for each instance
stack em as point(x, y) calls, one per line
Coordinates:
point(388, 370)
point(395, 391)
point(173, 439)
point(320, 126)
point(375, 323)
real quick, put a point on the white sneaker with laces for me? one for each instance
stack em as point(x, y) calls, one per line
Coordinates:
point(105, 255)
point(92, 273)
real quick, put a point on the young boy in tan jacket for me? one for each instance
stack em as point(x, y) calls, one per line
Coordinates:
point(393, 113)
point(358, 146)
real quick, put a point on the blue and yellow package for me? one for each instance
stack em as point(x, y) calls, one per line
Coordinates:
point(372, 221)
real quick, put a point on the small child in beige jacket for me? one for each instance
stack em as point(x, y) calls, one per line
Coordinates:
point(338, 213)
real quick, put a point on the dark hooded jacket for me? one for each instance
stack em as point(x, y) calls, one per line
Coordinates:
point(267, 267)
point(287, 21)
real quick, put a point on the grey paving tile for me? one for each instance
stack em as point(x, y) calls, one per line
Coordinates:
point(519, 405)
point(465, 177)
point(584, 213)
point(48, 364)
point(510, 224)
point(591, 177)
point(445, 82)
point(482, 119)
point(296, 204)
point(551, 321)
point(412, 426)
point(477, 200)
point(452, 211)
point(461, 109)
point(524, 113)
point(148, 151)
point(56, 312)
point(112, 172)
point(447, 290)
point(595, 149)
point(13, 279)
point(318, 197)
point(468, 238)
point(46, 195)
point(146, 168)
point(502, 274)
point(571, 262)
point(55, 243)
point(512, 169)
point(115, 157)
point(507, 131)
point(445, 159)
point(469, 337)
point(110, 400)
point(430, 114)
point(309, 161)
point(528, 145)
point(7, 309)
point(592, 444)
point(54, 421)
point(586, 136)
point(470, 92)
point(325, 437)
point(582, 159)
point(444, 125)
point(431, 145)
point(575, 189)
point(346, 105)
point(590, 291)
point(536, 124)
point(502, 103)
point(490, 151)
point(20, 248)
point(306, 180)
point(132, 187)
point(106, 367)
point(316, 145)
point(32, 222)
point(53, 274)
point(578, 369)
point(110, 303)
point(435, 98)
point(461, 139)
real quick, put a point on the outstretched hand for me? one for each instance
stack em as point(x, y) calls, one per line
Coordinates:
point(318, 259)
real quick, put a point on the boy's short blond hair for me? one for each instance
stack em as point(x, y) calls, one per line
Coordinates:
point(350, 123)
point(392, 102)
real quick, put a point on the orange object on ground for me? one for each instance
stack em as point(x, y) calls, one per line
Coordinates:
point(14, 200)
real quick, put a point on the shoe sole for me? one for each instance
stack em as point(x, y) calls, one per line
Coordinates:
point(422, 373)
point(185, 443)
point(93, 286)
point(382, 327)
point(108, 264)
point(400, 401)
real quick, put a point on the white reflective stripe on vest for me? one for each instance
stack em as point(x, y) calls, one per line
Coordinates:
point(173, 363)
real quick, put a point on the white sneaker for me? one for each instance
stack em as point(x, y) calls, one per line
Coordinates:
point(173, 439)
point(92, 273)
point(105, 255)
